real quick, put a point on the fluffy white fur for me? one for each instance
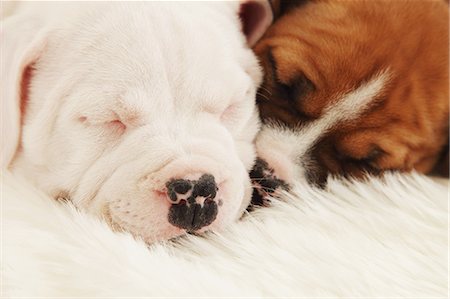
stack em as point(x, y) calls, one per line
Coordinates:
point(384, 238)
point(126, 96)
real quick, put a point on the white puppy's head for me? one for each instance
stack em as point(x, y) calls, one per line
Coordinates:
point(141, 113)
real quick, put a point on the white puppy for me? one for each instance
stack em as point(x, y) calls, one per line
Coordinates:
point(140, 113)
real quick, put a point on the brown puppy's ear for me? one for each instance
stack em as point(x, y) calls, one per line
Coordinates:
point(256, 16)
point(21, 46)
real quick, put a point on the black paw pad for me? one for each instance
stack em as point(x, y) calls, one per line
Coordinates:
point(265, 183)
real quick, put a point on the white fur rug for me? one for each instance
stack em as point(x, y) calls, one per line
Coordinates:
point(377, 239)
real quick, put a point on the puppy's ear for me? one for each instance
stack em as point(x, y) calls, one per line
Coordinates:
point(256, 16)
point(21, 46)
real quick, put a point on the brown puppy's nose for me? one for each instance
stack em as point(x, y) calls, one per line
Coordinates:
point(193, 202)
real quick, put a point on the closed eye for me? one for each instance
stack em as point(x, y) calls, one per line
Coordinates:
point(114, 125)
point(368, 162)
point(237, 105)
point(296, 91)
point(297, 87)
point(231, 111)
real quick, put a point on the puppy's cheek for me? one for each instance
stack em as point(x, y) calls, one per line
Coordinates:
point(247, 154)
point(245, 142)
point(248, 191)
point(128, 204)
point(144, 218)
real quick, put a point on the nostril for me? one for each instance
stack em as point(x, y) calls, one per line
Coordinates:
point(178, 186)
point(206, 187)
point(182, 186)
point(192, 191)
point(208, 201)
point(206, 178)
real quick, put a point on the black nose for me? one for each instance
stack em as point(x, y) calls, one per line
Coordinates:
point(193, 217)
point(178, 188)
point(194, 206)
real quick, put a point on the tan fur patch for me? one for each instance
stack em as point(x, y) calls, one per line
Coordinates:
point(323, 49)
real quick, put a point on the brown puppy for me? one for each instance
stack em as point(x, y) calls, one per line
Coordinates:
point(354, 87)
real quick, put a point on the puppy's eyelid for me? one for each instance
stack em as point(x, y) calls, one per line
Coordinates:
point(210, 109)
point(274, 67)
point(115, 124)
point(375, 153)
point(368, 161)
point(297, 88)
point(231, 109)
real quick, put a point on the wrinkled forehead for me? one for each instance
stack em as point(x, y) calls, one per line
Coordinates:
point(331, 68)
point(188, 49)
point(324, 52)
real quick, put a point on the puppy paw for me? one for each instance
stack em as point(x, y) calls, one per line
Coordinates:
point(266, 184)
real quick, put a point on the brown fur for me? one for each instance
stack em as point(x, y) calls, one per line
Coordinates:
point(321, 49)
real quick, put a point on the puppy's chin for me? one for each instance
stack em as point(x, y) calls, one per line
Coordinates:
point(163, 231)
point(149, 219)
point(159, 231)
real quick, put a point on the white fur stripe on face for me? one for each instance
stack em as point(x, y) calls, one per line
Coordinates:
point(347, 108)
point(293, 144)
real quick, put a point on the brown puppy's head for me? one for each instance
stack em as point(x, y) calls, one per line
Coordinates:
point(354, 87)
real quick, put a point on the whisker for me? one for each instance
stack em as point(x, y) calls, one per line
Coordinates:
point(264, 189)
point(263, 96)
point(266, 90)
point(261, 179)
